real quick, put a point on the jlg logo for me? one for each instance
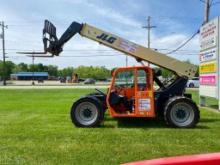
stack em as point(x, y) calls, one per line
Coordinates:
point(107, 38)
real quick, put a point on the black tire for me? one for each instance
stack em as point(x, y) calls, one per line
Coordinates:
point(181, 112)
point(191, 85)
point(87, 112)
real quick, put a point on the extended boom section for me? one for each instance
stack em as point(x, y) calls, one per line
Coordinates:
point(113, 41)
point(137, 51)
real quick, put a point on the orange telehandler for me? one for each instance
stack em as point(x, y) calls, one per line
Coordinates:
point(131, 93)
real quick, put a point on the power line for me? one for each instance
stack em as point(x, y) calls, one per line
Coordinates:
point(212, 3)
point(94, 50)
point(88, 56)
point(182, 50)
point(215, 3)
point(78, 55)
point(202, 1)
point(107, 54)
point(182, 45)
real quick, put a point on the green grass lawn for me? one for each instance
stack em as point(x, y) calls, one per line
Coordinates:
point(35, 128)
point(210, 102)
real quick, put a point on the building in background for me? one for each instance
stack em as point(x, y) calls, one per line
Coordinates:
point(29, 76)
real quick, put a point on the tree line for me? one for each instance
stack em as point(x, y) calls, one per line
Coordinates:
point(83, 71)
point(166, 73)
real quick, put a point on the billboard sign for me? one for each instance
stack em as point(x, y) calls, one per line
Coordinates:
point(208, 79)
point(208, 55)
point(208, 67)
point(209, 60)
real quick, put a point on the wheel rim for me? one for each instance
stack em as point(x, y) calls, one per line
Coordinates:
point(182, 114)
point(86, 113)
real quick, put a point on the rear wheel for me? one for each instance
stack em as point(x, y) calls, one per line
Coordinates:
point(181, 112)
point(87, 112)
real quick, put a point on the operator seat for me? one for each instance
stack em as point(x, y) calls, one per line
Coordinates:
point(115, 98)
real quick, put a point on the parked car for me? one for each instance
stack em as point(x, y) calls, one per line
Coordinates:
point(81, 80)
point(62, 80)
point(193, 83)
point(89, 81)
point(40, 80)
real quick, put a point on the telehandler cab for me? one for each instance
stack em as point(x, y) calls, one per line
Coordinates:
point(131, 93)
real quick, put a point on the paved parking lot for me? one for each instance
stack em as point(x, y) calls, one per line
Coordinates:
point(50, 85)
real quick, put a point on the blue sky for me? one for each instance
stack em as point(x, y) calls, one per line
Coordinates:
point(176, 21)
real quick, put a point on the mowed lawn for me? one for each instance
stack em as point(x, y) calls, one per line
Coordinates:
point(35, 128)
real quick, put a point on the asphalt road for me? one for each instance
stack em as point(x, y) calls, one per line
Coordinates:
point(56, 85)
point(62, 87)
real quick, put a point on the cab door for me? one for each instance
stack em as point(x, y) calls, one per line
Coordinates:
point(144, 94)
point(121, 94)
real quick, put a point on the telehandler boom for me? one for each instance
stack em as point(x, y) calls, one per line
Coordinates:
point(131, 93)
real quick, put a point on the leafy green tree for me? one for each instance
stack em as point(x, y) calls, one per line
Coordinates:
point(66, 72)
point(32, 68)
point(9, 66)
point(40, 67)
point(22, 67)
point(197, 72)
point(93, 72)
point(166, 73)
point(99, 73)
point(52, 70)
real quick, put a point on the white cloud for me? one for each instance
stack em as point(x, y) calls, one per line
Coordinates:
point(173, 41)
point(105, 12)
point(169, 42)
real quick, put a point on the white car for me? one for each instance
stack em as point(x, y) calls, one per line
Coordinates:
point(193, 83)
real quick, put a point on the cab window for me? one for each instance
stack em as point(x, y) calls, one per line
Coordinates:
point(125, 79)
point(142, 78)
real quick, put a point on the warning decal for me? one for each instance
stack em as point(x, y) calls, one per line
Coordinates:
point(144, 104)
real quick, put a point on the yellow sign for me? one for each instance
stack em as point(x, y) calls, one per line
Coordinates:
point(208, 67)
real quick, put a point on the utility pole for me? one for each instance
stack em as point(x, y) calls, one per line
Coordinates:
point(148, 27)
point(207, 10)
point(3, 50)
point(126, 61)
point(33, 69)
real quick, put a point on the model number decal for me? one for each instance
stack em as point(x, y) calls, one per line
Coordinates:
point(107, 38)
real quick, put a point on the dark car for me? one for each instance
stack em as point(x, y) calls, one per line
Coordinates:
point(81, 80)
point(62, 80)
point(89, 81)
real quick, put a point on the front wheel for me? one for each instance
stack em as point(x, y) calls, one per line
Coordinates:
point(87, 112)
point(181, 112)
